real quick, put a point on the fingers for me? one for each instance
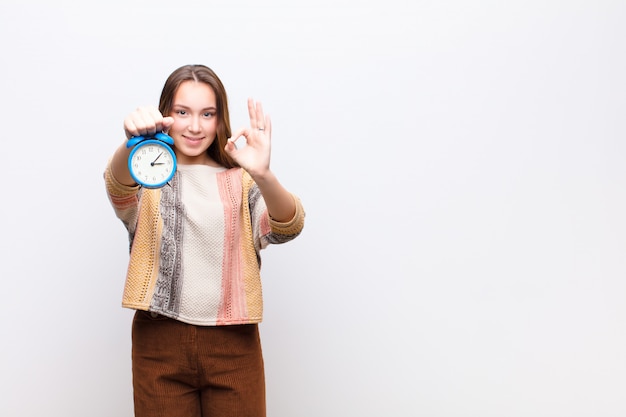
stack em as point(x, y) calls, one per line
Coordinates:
point(238, 140)
point(252, 113)
point(258, 121)
point(257, 135)
point(146, 121)
point(268, 126)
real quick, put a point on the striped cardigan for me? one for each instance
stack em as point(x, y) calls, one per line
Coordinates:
point(152, 219)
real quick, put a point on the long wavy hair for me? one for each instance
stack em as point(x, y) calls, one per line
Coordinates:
point(202, 73)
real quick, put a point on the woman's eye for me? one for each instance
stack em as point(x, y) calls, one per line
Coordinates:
point(209, 115)
point(181, 112)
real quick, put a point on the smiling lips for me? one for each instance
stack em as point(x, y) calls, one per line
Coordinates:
point(193, 140)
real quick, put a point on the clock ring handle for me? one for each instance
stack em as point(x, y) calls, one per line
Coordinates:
point(164, 137)
point(133, 141)
point(160, 136)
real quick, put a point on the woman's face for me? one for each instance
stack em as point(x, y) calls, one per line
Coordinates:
point(194, 110)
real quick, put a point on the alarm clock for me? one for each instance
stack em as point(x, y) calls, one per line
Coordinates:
point(152, 161)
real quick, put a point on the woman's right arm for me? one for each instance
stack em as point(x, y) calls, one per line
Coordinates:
point(119, 166)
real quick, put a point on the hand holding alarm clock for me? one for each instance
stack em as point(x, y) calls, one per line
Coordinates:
point(152, 162)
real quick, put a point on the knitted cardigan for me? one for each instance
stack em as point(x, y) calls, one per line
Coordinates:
point(151, 217)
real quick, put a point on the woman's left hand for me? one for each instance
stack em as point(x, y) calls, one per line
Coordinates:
point(254, 156)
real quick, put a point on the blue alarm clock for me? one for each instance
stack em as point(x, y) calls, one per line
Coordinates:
point(152, 161)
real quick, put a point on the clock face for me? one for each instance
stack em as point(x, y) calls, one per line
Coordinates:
point(152, 163)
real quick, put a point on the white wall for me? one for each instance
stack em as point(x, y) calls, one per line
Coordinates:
point(462, 167)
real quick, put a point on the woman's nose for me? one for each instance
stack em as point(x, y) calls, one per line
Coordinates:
point(194, 125)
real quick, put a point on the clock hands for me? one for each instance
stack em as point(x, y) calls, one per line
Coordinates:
point(153, 163)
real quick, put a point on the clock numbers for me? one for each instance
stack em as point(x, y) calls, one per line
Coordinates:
point(152, 164)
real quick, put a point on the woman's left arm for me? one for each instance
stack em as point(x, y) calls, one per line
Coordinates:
point(254, 157)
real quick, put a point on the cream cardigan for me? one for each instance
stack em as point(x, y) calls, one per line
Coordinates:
point(155, 224)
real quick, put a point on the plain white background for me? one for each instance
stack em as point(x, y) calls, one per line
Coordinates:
point(462, 167)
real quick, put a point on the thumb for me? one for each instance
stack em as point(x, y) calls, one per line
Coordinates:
point(230, 146)
point(168, 121)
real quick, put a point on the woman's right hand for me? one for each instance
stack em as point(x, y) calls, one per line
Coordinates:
point(145, 121)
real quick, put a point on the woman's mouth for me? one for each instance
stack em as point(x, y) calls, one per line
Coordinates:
point(193, 139)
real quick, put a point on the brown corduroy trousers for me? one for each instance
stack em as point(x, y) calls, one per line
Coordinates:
point(182, 370)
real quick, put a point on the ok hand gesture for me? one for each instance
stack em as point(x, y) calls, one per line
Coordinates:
point(254, 156)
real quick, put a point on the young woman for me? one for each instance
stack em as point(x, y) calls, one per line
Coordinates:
point(194, 268)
